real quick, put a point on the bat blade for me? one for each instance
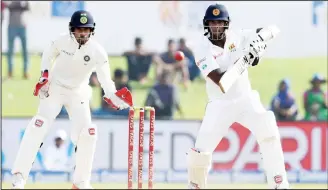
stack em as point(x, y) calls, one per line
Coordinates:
point(232, 74)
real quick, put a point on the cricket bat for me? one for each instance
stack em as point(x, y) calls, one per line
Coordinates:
point(234, 72)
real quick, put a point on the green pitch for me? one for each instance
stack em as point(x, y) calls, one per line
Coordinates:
point(17, 98)
point(163, 186)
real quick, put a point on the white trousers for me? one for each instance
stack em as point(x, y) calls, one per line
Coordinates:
point(250, 113)
point(76, 102)
point(221, 114)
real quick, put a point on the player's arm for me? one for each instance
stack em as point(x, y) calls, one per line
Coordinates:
point(251, 57)
point(103, 74)
point(209, 67)
point(48, 57)
point(117, 99)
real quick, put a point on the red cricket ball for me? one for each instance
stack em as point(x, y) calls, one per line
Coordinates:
point(179, 55)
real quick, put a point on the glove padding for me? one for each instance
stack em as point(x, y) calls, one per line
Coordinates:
point(41, 85)
point(255, 51)
point(257, 47)
point(120, 100)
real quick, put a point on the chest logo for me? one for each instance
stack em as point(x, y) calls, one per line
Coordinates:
point(86, 58)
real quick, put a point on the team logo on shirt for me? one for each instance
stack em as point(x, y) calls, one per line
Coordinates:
point(232, 47)
point(86, 58)
point(216, 12)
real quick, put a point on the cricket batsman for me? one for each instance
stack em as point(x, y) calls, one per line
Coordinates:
point(221, 48)
point(65, 83)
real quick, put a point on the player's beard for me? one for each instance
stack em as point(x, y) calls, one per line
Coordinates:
point(218, 33)
point(82, 38)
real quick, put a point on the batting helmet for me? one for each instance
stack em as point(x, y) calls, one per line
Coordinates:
point(82, 19)
point(215, 12)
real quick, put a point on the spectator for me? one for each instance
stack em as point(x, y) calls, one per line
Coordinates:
point(172, 65)
point(283, 104)
point(164, 98)
point(56, 154)
point(190, 59)
point(17, 28)
point(139, 62)
point(121, 81)
point(315, 101)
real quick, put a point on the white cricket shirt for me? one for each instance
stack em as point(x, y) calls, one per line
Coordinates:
point(71, 67)
point(209, 57)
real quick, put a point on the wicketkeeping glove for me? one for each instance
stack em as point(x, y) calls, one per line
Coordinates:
point(42, 84)
point(120, 100)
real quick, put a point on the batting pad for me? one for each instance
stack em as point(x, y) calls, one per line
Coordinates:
point(267, 134)
point(198, 167)
point(30, 144)
point(86, 146)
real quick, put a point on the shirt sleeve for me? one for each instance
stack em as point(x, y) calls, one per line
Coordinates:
point(49, 55)
point(103, 73)
point(204, 59)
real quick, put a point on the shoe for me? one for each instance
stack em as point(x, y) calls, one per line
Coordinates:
point(26, 76)
point(81, 186)
point(18, 181)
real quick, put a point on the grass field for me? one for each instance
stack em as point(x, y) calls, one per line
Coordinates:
point(17, 99)
point(164, 186)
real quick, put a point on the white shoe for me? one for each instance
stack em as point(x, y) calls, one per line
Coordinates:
point(18, 181)
point(82, 185)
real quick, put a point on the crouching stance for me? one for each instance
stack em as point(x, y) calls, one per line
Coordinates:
point(73, 57)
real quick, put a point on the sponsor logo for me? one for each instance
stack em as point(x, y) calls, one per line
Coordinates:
point(67, 53)
point(92, 131)
point(277, 179)
point(200, 61)
point(38, 123)
point(304, 146)
point(218, 55)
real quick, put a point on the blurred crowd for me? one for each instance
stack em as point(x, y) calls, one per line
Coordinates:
point(164, 95)
point(315, 102)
